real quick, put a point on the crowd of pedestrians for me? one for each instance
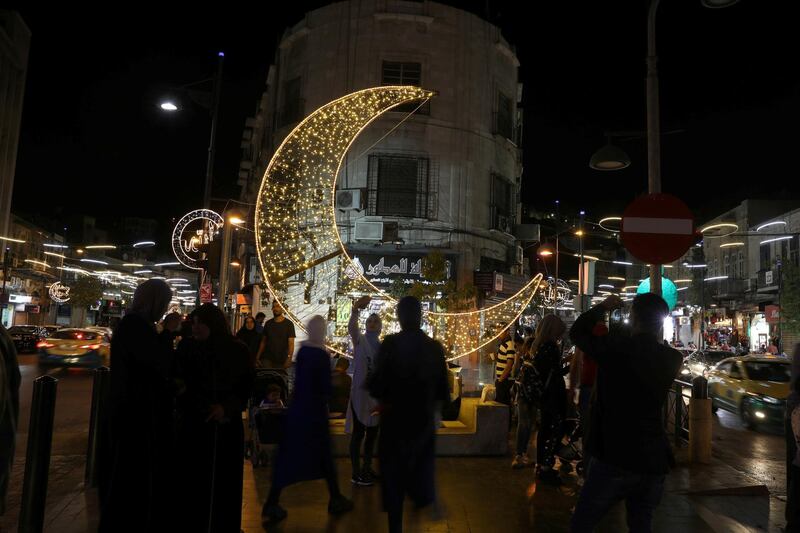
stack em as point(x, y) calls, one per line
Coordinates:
point(173, 447)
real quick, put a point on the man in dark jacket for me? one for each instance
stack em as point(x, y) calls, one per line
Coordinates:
point(629, 451)
point(410, 385)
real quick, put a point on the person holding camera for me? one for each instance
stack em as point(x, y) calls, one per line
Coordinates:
point(627, 445)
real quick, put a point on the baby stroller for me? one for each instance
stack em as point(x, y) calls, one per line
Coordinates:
point(266, 421)
point(571, 453)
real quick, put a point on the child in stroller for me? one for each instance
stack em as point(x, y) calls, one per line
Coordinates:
point(266, 414)
point(570, 452)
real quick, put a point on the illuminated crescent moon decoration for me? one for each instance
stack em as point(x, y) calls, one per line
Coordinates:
point(296, 216)
point(188, 234)
point(59, 292)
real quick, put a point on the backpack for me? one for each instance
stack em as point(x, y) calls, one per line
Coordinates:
point(532, 384)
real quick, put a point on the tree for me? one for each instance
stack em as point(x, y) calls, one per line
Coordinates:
point(790, 297)
point(84, 292)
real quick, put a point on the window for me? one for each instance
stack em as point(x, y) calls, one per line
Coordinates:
point(725, 368)
point(735, 373)
point(726, 269)
point(502, 209)
point(398, 185)
point(293, 104)
point(405, 73)
point(768, 371)
point(765, 257)
point(504, 122)
point(742, 273)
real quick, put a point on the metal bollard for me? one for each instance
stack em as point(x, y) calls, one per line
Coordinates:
point(700, 388)
point(37, 458)
point(100, 390)
point(678, 413)
point(700, 422)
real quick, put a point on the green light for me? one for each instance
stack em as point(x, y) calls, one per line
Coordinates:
point(668, 291)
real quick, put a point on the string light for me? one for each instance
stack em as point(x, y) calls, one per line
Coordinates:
point(35, 262)
point(55, 255)
point(296, 226)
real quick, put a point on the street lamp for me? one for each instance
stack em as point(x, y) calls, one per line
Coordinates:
point(653, 121)
point(171, 107)
point(609, 157)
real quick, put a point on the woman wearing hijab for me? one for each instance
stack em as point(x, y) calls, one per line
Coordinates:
point(217, 373)
point(250, 336)
point(361, 422)
point(305, 452)
point(135, 486)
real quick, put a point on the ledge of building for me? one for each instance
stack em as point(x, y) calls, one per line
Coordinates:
point(406, 17)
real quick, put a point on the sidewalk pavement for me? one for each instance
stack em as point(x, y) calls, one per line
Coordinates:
point(476, 495)
point(484, 495)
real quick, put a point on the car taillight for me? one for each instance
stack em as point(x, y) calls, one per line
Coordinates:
point(90, 346)
point(44, 344)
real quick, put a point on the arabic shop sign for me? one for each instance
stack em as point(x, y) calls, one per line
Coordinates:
point(383, 270)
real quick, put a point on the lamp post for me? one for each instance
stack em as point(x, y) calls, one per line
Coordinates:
point(170, 107)
point(616, 158)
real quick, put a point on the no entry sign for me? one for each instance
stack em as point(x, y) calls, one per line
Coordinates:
point(657, 228)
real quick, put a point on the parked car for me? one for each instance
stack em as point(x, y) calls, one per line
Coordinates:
point(701, 361)
point(26, 337)
point(753, 386)
point(75, 347)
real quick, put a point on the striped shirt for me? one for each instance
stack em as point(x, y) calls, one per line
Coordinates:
point(505, 357)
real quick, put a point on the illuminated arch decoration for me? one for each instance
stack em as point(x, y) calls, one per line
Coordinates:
point(194, 229)
point(296, 227)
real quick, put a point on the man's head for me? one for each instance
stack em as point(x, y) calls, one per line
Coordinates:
point(505, 334)
point(647, 313)
point(277, 309)
point(342, 364)
point(260, 317)
point(409, 313)
point(374, 324)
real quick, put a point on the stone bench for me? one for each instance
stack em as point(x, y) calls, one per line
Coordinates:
point(481, 429)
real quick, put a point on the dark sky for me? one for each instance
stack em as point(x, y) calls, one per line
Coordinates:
point(94, 142)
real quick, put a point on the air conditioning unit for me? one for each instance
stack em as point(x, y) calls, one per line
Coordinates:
point(369, 231)
point(349, 199)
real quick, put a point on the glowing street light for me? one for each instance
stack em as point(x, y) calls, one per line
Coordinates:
point(168, 106)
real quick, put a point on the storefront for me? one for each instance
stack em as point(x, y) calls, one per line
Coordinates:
point(759, 332)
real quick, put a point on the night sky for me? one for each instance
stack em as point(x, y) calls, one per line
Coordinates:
point(94, 141)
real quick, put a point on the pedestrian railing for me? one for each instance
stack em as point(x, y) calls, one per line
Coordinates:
point(676, 411)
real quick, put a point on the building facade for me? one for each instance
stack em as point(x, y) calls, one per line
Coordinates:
point(15, 38)
point(444, 177)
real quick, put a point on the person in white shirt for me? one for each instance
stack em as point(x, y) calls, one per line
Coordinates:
point(362, 422)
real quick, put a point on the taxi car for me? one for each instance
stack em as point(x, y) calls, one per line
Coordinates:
point(73, 347)
point(753, 386)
